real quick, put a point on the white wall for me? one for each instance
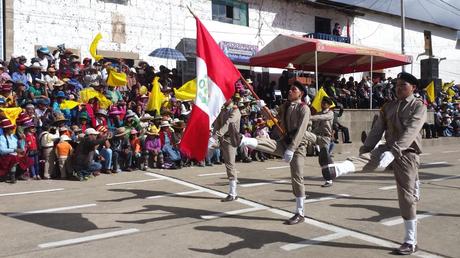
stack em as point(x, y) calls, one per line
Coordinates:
point(384, 32)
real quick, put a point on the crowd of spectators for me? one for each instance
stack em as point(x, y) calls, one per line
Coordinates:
point(41, 137)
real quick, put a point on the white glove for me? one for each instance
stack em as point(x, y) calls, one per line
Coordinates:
point(385, 159)
point(288, 154)
point(261, 103)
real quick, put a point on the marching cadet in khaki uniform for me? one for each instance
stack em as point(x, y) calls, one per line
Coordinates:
point(294, 117)
point(322, 135)
point(229, 117)
point(401, 120)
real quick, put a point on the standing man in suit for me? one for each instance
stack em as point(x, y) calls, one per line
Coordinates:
point(401, 121)
point(229, 117)
point(294, 117)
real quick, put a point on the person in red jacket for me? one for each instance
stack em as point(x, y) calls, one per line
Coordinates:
point(32, 150)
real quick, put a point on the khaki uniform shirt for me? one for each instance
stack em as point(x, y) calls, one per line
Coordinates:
point(227, 117)
point(322, 123)
point(402, 122)
point(294, 118)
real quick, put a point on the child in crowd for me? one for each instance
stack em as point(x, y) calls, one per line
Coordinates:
point(63, 152)
point(32, 150)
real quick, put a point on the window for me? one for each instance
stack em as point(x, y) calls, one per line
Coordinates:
point(322, 25)
point(230, 11)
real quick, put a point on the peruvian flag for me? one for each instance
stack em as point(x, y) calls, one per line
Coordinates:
point(216, 78)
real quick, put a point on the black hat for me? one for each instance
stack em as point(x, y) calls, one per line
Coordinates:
point(327, 100)
point(300, 87)
point(407, 77)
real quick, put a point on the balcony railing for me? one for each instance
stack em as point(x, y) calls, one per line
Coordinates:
point(329, 37)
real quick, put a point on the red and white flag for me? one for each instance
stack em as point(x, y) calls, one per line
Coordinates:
point(216, 78)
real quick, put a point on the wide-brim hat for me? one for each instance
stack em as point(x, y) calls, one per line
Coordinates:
point(29, 124)
point(164, 124)
point(65, 138)
point(23, 118)
point(6, 87)
point(101, 128)
point(130, 114)
point(248, 80)
point(6, 124)
point(60, 94)
point(166, 112)
point(59, 118)
point(36, 65)
point(153, 130)
point(120, 131)
point(101, 112)
point(40, 81)
point(146, 117)
point(157, 117)
point(290, 66)
point(179, 124)
point(44, 50)
point(59, 83)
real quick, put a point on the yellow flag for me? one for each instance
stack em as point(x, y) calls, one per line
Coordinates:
point(430, 92)
point(156, 97)
point(186, 91)
point(116, 79)
point(316, 103)
point(12, 113)
point(89, 93)
point(93, 47)
point(68, 104)
point(446, 86)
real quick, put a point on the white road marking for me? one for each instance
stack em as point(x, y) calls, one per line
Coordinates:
point(450, 151)
point(213, 174)
point(332, 228)
point(434, 163)
point(229, 213)
point(388, 187)
point(32, 192)
point(314, 241)
point(280, 167)
point(133, 182)
point(332, 197)
point(51, 210)
point(442, 178)
point(174, 194)
point(89, 238)
point(425, 154)
point(398, 220)
point(263, 183)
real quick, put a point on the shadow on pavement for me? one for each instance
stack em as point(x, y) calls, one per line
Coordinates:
point(142, 194)
point(384, 212)
point(316, 195)
point(256, 239)
point(74, 222)
point(181, 212)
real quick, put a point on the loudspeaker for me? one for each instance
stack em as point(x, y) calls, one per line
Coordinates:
point(429, 68)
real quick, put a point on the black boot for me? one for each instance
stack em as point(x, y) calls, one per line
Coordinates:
point(12, 178)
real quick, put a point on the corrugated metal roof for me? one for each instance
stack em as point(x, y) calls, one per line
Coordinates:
point(441, 12)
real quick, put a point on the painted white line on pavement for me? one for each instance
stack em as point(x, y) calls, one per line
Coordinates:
point(51, 210)
point(332, 197)
point(388, 187)
point(450, 151)
point(336, 229)
point(89, 238)
point(280, 167)
point(213, 174)
point(425, 154)
point(230, 213)
point(398, 220)
point(441, 179)
point(434, 163)
point(133, 182)
point(32, 192)
point(174, 194)
point(314, 241)
point(263, 183)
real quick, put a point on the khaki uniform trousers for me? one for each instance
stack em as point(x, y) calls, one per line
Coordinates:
point(229, 153)
point(62, 166)
point(297, 163)
point(405, 170)
point(50, 158)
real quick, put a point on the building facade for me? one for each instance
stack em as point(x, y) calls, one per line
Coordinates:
point(132, 29)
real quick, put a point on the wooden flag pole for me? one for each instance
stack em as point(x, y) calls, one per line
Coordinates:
point(265, 109)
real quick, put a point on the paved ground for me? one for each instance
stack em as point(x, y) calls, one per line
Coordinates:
point(178, 213)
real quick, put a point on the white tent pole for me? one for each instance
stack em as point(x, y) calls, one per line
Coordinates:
point(316, 70)
point(370, 94)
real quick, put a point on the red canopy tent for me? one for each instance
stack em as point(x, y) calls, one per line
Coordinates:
point(326, 56)
point(332, 57)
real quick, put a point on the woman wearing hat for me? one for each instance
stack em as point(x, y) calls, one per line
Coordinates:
point(121, 151)
point(35, 73)
point(101, 117)
point(9, 152)
point(38, 90)
point(169, 146)
point(152, 148)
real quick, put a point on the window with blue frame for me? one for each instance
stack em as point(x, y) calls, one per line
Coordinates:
point(230, 11)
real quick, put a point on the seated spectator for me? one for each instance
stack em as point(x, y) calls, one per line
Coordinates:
point(153, 157)
point(83, 160)
point(121, 151)
point(10, 152)
point(172, 157)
